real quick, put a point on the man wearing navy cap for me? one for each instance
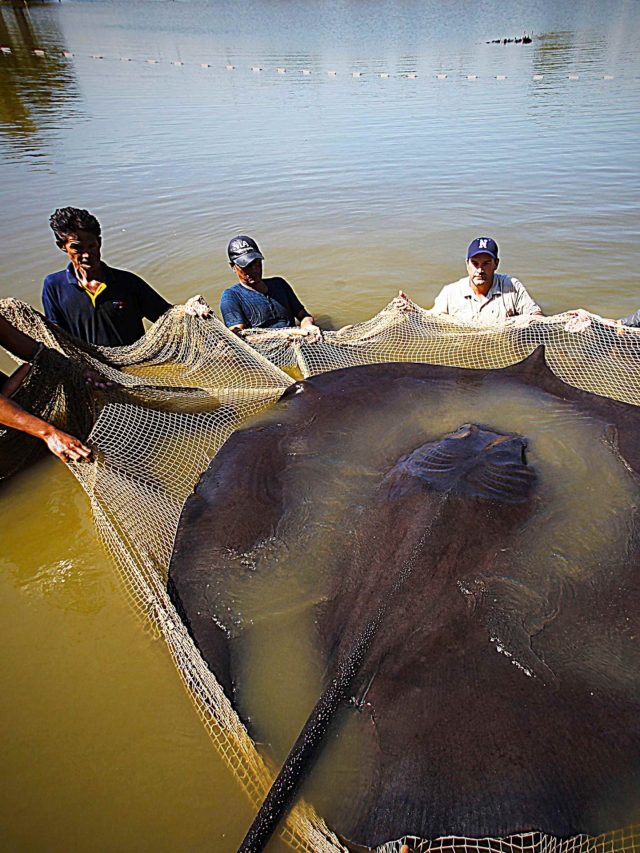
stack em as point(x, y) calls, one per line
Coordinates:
point(256, 302)
point(484, 295)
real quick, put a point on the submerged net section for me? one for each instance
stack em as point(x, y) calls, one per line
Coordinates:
point(621, 841)
point(182, 389)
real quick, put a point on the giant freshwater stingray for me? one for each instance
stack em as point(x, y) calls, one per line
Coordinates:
point(494, 695)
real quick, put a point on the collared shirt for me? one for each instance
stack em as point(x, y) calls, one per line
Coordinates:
point(278, 308)
point(112, 316)
point(506, 298)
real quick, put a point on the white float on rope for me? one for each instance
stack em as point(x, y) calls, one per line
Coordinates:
point(410, 75)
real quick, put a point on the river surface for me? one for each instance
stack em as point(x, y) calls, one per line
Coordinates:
point(355, 185)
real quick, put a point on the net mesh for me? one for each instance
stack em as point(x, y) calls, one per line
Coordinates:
point(181, 390)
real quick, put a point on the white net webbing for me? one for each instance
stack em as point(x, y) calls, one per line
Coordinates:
point(182, 389)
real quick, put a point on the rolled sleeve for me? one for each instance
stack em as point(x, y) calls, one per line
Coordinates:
point(524, 304)
point(441, 303)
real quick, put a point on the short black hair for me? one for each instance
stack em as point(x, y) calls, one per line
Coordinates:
point(69, 220)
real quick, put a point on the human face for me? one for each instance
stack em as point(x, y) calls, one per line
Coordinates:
point(481, 269)
point(251, 275)
point(83, 249)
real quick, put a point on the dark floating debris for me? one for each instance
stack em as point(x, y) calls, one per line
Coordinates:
point(525, 39)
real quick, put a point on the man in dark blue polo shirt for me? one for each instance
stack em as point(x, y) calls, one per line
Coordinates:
point(256, 302)
point(97, 303)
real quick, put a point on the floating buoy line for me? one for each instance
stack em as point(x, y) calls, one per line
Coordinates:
point(307, 72)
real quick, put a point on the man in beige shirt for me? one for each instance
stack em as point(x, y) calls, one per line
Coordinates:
point(484, 295)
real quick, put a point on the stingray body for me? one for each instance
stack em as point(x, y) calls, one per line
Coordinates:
point(463, 673)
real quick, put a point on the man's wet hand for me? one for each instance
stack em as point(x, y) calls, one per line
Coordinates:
point(197, 306)
point(96, 379)
point(402, 302)
point(578, 321)
point(310, 332)
point(520, 321)
point(66, 447)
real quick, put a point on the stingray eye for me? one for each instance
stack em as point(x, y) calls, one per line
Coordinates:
point(462, 431)
point(294, 390)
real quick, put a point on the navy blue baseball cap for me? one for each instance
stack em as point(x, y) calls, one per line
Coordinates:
point(483, 245)
point(242, 250)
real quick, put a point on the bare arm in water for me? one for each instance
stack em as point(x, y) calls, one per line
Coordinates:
point(63, 445)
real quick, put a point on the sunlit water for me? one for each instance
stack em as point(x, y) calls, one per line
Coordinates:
point(354, 187)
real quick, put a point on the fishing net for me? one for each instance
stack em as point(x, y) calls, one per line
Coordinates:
point(182, 389)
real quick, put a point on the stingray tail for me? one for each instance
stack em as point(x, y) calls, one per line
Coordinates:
point(310, 738)
point(302, 752)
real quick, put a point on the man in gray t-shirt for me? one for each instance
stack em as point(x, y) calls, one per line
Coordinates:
point(485, 296)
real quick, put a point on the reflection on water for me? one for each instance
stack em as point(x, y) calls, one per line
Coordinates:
point(355, 186)
point(36, 92)
point(102, 749)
